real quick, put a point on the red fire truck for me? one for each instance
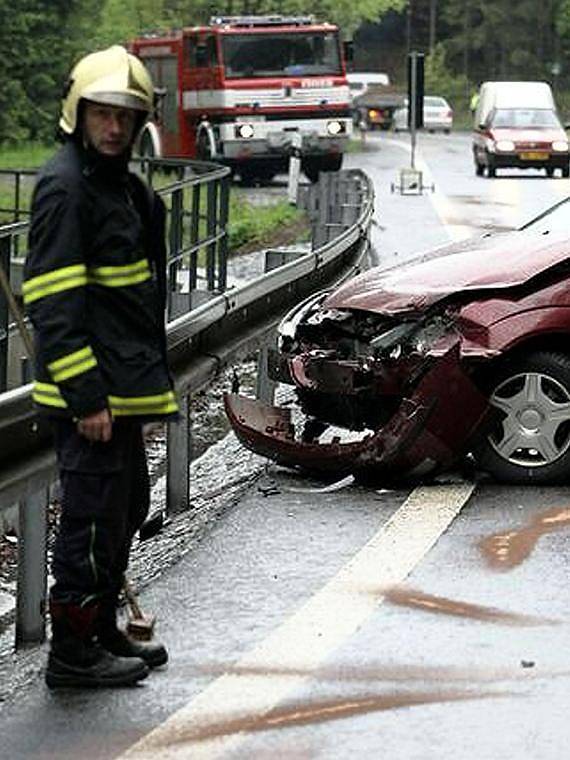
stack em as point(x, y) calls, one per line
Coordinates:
point(237, 90)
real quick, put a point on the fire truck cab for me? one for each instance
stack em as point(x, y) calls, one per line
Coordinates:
point(237, 91)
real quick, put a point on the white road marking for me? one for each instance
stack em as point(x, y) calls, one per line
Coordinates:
point(441, 203)
point(310, 635)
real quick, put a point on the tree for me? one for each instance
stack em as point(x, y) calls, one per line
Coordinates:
point(39, 40)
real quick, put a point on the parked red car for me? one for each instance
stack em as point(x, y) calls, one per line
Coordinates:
point(403, 370)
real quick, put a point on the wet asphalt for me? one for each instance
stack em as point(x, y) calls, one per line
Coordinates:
point(465, 657)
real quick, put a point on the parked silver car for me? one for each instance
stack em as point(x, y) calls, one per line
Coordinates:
point(438, 116)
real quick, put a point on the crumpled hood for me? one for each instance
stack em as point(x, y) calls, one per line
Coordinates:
point(500, 262)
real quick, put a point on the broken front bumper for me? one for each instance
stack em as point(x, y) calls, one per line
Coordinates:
point(427, 433)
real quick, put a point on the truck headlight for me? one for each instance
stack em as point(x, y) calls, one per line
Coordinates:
point(244, 130)
point(505, 145)
point(336, 127)
point(560, 145)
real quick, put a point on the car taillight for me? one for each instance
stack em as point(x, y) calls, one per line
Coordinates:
point(450, 114)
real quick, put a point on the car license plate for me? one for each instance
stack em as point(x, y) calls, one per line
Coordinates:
point(534, 156)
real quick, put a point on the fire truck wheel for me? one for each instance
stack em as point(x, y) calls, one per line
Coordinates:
point(313, 166)
point(247, 177)
point(252, 175)
point(146, 148)
point(203, 150)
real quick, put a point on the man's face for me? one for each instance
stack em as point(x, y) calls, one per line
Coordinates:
point(109, 129)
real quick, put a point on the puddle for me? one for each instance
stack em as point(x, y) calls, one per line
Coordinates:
point(504, 551)
point(412, 598)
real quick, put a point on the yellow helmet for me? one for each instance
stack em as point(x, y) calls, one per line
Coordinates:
point(113, 77)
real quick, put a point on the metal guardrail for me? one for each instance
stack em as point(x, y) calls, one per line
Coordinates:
point(200, 340)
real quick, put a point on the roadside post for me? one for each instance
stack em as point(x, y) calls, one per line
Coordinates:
point(294, 167)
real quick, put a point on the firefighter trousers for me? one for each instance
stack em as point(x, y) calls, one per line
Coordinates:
point(105, 498)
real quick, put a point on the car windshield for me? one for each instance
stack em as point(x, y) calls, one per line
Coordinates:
point(435, 103)
point(430, 102)
point(524, 117)
point(271, 55)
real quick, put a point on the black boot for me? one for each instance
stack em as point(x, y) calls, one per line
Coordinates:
point(119, 643)
point(76, 660)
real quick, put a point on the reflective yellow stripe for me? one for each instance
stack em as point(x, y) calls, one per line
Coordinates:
point(119, 276)
point(55, 281)
point(78, 369)
point(72, 364)
point(48, 395)
point(163, 403)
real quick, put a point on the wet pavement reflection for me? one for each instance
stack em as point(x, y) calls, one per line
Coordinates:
point(413, 598)
point(314, 712)
point(504, 551)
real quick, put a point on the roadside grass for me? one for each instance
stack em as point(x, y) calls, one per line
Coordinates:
point(26, 156)
point(250, 224)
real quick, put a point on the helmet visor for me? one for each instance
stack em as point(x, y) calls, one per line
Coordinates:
point(119, 99)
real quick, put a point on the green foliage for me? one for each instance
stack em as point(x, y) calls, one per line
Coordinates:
point(39, 40)
point(251, 224)
point(499, 39)
point(439, 80)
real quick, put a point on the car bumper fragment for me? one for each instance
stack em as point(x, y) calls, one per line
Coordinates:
point(429, 430)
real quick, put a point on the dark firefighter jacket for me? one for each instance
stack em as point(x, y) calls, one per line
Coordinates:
point(94, 290)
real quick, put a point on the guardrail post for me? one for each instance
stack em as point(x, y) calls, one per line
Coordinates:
point(223, 229)
point(294, 167)
point(178, 457)
point(211, 223)
point(174, 305)
point(194, 238)
point(265, 386)
point(349, 203)
point(32, 569)
point(4, 314)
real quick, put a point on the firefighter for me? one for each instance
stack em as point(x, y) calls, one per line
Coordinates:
point(94, 288)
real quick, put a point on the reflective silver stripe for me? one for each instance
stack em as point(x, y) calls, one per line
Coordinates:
point(56, 281)
point(73, 364)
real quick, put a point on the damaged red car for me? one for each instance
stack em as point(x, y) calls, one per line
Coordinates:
point(402, 371)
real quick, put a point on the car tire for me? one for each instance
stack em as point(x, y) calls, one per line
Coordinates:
point(479, 169)
point(491, 171)
point(525, 443)
point(550, 171)
point(566, 171)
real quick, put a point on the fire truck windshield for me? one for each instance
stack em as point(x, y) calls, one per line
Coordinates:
point(276, 55)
